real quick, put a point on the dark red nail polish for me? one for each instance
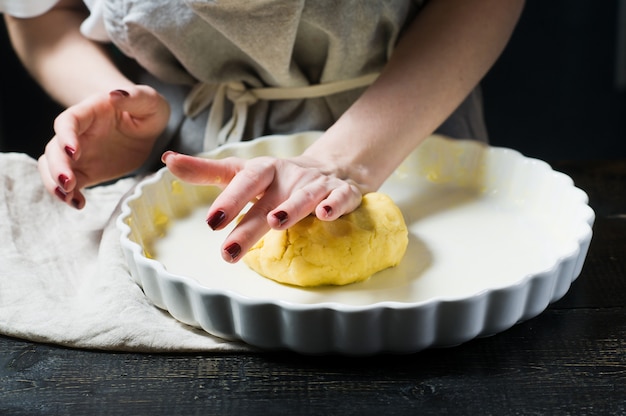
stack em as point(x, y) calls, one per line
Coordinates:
point(281, 216)
point(122, 93)
point(328, 210)
point(60, 193)
point(63, 180)
point(233, 250)
point(70, 151)
point(216, 219)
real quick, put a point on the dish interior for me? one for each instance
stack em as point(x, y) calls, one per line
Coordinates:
point(479, 218)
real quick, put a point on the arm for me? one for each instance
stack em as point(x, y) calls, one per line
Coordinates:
point(440, 58)
point(59, 57)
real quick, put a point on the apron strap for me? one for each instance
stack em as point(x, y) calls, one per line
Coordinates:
point(203, 95)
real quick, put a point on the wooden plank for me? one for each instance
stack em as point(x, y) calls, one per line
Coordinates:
point(564, 361)
point(602, 282)
point(604, 182)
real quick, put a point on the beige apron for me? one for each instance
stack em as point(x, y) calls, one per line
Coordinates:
point(237, 69)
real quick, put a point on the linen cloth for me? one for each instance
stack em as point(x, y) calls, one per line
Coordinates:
point(63, 276)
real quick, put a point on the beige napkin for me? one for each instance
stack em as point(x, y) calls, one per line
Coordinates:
point(64, 280)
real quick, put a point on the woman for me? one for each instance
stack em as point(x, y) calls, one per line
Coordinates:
point(378, 77)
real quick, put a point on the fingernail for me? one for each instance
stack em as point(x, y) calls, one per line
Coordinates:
point(216, 219)
point(119, 93)
point(70, 151)
point(233, 250)
point(165, 155)
point(63, 180)
point(60, 193)
point(281, 216)
point(328, 210)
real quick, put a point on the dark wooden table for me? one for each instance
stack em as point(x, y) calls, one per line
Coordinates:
point(570, 360)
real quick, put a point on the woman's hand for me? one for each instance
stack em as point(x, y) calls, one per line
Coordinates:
point(282, 192)
point(101, 138)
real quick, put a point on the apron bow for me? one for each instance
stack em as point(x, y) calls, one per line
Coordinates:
point(203, 95)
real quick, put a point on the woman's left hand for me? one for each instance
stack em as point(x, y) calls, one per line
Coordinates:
point(282, 192)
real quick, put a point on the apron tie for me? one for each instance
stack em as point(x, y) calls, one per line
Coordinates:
point(203, 95)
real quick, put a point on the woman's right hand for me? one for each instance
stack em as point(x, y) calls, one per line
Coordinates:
point(101, 138)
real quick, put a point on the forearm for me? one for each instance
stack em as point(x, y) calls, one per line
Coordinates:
point(67, 65)
point(442, 56)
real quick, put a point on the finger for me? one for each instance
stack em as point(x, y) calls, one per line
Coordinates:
point(59, 177)
point(299, 204)
point(244, 187)
point(342, 200)
point(73, 122)
point(140, 101)
point(73, 198)
point(202, 171)
point(58, 166)
point(46, 178)
point(78, 200)
point(247, 232)
point(66, 127)
point(140, 111)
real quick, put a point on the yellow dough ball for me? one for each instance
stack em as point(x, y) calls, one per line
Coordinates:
point(347, 250)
